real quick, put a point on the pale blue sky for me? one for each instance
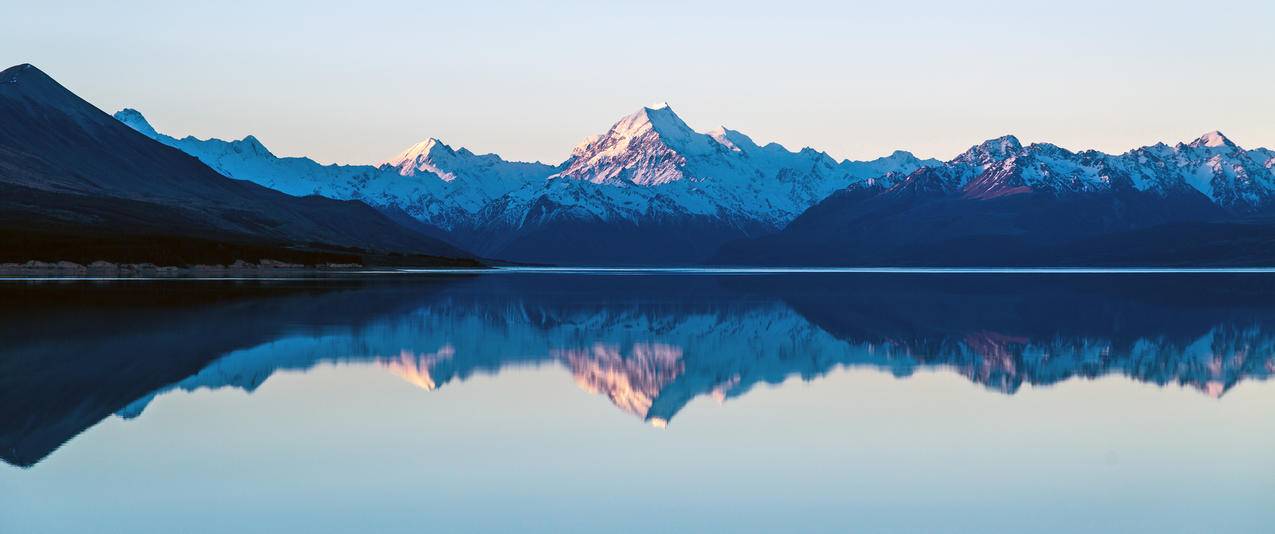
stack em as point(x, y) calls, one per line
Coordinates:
point(346, 83)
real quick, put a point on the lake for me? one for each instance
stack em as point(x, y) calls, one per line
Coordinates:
point(640, 401)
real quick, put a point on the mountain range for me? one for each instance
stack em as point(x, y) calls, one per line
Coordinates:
point(649, 190)
point(81, 186)
point(1207, 202)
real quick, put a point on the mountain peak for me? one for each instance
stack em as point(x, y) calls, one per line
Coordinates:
point(658, 122)
point(431, 155)
point(135, 120)
point(733, 140)
point(424, 150)
point(30, 85)
point(901, 156)
point(1003, 145)
point(254, 145)
point(646, 147)
point(1212, 139)
point(664, 122)
point(31, 81)
point(658, 117)
point(22, 73)
point(996, 149)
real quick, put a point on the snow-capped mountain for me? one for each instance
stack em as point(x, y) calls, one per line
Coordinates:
point(248, 159)
point(430, 181)
point(652, 190)
point(1231, 177)
point(475, 181)
point(648, 190)
point(650, 147)
point(1002, 202)
point(722, 173)
point(952, 175)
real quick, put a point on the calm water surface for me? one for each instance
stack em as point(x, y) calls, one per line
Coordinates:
point(640, 402)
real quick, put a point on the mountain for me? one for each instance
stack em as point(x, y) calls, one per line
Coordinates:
point(81, 186)
point(653, 191)
point(722, 173)
point(496, 175)
point(1207, 202)
point(439, 186)
point(650, 190)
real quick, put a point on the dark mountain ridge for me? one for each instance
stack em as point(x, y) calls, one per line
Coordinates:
point(80, 185)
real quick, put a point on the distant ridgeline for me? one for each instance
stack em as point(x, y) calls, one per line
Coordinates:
point(648, 344)
point(81, 186)
point(652, 191)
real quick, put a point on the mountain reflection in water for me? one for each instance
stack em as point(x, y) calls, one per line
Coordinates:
point(73, 354)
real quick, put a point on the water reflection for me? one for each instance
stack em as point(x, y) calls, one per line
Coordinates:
point(74, 354)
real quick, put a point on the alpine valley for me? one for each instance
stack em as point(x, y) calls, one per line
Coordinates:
point(649, 190)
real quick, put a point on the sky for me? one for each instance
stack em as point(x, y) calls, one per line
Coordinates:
point(357, 82)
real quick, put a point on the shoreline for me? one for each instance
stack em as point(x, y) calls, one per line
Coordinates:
point(111, 269)
point(266, 268)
